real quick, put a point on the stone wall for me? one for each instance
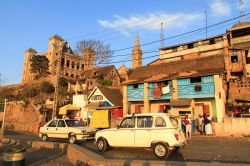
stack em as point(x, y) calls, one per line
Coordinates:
point(21, 117)
point(233, 127)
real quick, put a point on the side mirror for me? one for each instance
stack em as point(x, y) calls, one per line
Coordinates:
point(117, 126)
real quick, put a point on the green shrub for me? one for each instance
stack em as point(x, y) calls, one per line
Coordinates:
point(46, 87)
point(63, 82)
point(29, 92)
point(106, 82)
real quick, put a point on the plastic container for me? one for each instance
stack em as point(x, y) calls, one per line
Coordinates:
point(14, 157)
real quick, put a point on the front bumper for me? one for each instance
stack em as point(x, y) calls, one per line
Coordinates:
point(87, 136)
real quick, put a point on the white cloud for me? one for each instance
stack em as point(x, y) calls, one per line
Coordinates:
point(152, 21)
point(220, 8)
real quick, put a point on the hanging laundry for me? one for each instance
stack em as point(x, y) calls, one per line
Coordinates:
point(157, 92)
point(165, 89)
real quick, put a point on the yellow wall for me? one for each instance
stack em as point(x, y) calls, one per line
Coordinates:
point(125, 100)
point(146, 101)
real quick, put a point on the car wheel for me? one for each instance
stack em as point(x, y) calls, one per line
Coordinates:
point(72, 139)
point(102, 144)
point(45, 137)
point(161, 150)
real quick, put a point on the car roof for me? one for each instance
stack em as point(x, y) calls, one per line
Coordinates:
point(150, 114)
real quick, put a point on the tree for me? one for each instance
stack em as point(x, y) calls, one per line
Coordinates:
point(102, 55)
point(40, 65)
point(2, 80)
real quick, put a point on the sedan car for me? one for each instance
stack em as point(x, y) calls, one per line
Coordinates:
point(69, 129)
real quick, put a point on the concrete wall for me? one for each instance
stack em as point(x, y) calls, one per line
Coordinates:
point(232, 127)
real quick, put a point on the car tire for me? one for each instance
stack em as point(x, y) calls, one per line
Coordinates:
point(72, 139)
point(161, 150)
point(45, 137)
point(102, 144)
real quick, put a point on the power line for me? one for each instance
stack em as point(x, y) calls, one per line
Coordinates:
point(176, 36)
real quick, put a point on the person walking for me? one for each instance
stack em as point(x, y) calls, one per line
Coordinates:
point(187, 122)
point(201, 124)
point(208, 126)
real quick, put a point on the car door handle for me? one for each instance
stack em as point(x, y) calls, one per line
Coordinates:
point(56, 128)
point(47, 128)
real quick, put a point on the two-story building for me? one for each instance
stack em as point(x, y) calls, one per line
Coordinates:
point(188, 86)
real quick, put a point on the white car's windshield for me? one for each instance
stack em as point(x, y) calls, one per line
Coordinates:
point(73, 123)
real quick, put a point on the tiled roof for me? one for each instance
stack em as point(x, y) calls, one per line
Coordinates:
point(114, 95)
point(178, 69)
point(101, 71)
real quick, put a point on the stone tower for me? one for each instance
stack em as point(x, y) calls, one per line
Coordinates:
point(89, 54)
point(137, 54)
point(54, 50)
point(27, 74)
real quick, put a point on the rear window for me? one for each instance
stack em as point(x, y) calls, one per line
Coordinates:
point(173, 121)
point(160, 122)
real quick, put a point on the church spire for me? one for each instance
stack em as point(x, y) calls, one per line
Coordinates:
point(137, 42)
point(137, 54)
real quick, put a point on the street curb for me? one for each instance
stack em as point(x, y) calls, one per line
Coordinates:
point(79, 155)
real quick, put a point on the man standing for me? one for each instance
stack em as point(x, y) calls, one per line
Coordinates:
point(187, 123)
point(201, 124)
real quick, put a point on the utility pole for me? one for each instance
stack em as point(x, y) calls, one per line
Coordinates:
point(162, 35)
point(206, 22)
point(4, 114)
point(56, 83)
point(242, 12)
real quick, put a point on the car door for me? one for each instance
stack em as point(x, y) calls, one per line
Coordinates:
point(51, 128)
point(61, 129)
point(124, 135)
point(143, 131)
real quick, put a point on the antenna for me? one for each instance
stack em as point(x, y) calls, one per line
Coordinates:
point(206, 22)
point(162, 36)
point(242, 13)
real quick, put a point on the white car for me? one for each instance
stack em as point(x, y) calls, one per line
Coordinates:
point(158, 131)
point(70, 129)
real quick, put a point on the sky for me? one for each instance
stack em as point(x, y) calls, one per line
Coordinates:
point(30, 23)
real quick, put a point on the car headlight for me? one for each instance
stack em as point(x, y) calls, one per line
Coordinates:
point(83, 131)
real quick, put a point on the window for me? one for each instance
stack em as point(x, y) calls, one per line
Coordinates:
point(135, 86)
point(195, 79)
point(97, 97)
point(144, 121)
point(61, 123)
point(211, 41)
point(191, 45)
point(173, 121)
point(77, 66)
point(72, 75)
point(73, 65)
point(112, 73)
point(53, 123)
point(234, 58)
point(83, 66)
point(67, 63)
point(160, 122)
point(128, 123)
point(67, 74)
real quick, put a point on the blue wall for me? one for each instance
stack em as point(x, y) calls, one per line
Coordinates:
point(151, 85)
point(135, 94)
point(187, 89)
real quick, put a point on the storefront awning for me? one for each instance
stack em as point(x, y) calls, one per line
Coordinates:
point(63, 110)
point(180, 102)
